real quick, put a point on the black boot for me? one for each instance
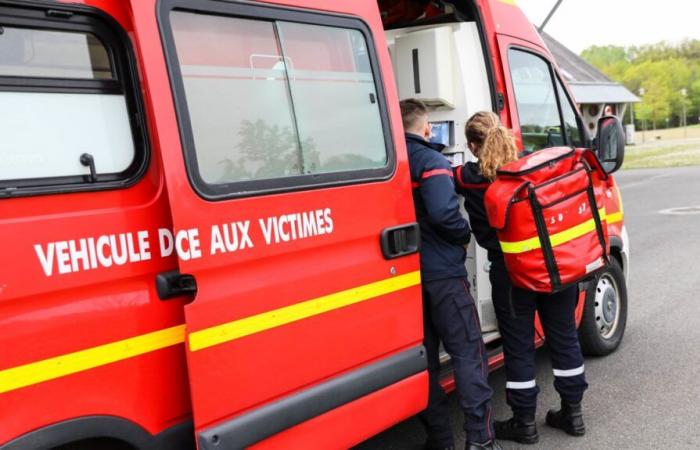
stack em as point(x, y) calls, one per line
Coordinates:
point(569, 418)
point(518, 428)
point(488, 445)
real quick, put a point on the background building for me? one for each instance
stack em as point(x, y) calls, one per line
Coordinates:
point(592, 90)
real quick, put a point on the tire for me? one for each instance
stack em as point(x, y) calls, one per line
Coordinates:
point(605, 312)
point(96, 444)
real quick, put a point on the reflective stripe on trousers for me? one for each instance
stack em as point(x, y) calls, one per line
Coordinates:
point(515, 310)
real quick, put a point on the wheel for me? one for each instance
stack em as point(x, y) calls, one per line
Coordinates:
point(605, 312)
point(96, 444)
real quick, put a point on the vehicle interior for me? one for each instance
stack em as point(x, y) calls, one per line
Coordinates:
point(438, 56)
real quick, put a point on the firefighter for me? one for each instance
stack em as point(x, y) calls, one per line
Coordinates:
point(450, 314)
point(494, 146)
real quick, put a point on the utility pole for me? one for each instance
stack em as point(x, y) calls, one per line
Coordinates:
point(549, 16)
point(644, 118)
point(684, 93)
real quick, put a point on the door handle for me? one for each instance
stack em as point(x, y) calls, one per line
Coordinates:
point(174, 284)
point(400, 241)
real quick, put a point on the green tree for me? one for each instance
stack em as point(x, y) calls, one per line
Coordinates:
point(662, 70)
point(611, 60)
point(694, 98)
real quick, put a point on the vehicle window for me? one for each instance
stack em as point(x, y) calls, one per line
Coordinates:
point(47, 133)
point(30, 52)
point(332, 93)
point(61, 99)
point(238, 101)
point(573, 132)
point(536, 101)
point(275, 100)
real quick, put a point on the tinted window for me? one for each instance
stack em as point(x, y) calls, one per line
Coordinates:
point(536, 101)
point(277, 100)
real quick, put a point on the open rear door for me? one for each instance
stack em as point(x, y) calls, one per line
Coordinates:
point(293, 215)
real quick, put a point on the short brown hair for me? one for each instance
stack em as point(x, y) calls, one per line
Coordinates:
point(412, 110)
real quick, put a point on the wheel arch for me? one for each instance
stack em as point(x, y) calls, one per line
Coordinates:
point(620, 250)
point(103, 427)
point(617, 251)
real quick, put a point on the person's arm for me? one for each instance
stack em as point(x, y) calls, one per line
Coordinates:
point(467, 177)
point(437, 189)
point(472, 186)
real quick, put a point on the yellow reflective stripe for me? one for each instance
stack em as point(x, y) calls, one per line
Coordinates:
point(556, 239)
point(59, 366)
point(237, 329)
point(615, 217)
point(572, 233)
point(521, 246)
point(619, 199)
point(70, 363)
point(509, 2)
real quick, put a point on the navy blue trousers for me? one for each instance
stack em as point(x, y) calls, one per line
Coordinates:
point(450, 316)
point(515, 310)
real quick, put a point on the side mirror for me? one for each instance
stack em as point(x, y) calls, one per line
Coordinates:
point(610, 143)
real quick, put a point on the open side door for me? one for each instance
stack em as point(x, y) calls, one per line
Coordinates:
point(292, 214)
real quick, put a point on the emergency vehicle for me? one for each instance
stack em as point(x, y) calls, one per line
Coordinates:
point(206, 219)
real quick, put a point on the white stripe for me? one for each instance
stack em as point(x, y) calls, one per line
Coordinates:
point(520, 384)
point(568, 373)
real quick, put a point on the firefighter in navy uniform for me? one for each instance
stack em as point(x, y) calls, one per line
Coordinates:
point(449, 311)
point(494, 145)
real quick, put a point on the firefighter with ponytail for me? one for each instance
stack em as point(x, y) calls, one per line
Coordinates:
point(494, 145)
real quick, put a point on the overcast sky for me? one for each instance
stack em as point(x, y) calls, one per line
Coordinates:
point(579, 24)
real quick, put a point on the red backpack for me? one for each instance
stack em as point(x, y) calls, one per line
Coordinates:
point(546, 208)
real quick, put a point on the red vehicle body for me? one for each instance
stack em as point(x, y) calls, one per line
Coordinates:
point(300, 324)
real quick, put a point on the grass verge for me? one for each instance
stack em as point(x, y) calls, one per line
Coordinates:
point(668, 134)
point(666, 156)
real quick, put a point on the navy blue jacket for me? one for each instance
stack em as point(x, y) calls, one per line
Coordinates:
point(472, 185)
point(444, 231)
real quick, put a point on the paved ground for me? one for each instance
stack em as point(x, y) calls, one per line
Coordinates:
point(647, 394)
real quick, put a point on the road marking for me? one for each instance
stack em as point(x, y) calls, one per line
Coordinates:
point(682, 211)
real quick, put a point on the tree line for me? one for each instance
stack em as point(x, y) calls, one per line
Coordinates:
point(659, 74)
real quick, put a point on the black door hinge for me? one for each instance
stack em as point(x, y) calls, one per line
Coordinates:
point(500, 101)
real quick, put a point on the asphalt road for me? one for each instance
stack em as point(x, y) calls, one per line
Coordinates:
point(646, 395)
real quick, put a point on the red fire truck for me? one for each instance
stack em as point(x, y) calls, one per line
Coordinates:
point(206, 219)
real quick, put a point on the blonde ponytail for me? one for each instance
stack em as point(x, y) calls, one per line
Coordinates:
point(495, 143)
